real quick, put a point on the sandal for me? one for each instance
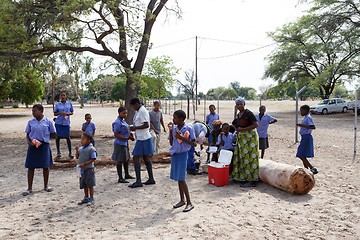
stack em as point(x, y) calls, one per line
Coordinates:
point(27, 192)
point(48, 189)
point(179, 204)
point(188, 208)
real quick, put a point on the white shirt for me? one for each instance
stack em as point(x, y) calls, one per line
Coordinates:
point(141, 116)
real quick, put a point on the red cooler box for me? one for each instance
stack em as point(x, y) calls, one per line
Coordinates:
point(218, 172)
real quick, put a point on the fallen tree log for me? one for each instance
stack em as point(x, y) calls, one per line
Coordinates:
point(292, 179)
point(76, 133)
point(65, 162)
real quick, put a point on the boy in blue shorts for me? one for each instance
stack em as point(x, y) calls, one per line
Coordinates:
point(306, 147)
point(87, 156)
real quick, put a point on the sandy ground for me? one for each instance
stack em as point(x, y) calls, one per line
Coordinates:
point(330, 211)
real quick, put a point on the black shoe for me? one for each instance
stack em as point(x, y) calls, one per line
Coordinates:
point(193, 172)
point(129, 177)
point(121, 180)
point(71, 156)
point(85, 200)
point(58, 154)
point(135, 185)
point(149, 182)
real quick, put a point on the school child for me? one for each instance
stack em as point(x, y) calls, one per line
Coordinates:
point(38, 131)
point(264, 120)
point(87, 156)
point(156, 118)
point(144, 146)
point(215, 133)
point(181, 138)
point(226, 138)
point(89, 127)
point(306, 147)
point(201, 131)
point(212, 116)
point(62, 111)
point(121, 153)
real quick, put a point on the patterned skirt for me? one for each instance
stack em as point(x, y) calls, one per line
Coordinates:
point(246, 157)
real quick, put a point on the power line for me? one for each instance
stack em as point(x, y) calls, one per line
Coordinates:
point(173, 43)
point(221, 40)
point(231, 55)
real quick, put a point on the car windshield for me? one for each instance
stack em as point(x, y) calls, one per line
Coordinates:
point(324, 102)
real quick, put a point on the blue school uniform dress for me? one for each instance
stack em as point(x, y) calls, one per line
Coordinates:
point(121, 148)
point(62, 125)
point(40, 130)
point(306, 147)
point(209, 119)
point(89, 128)
point(229, 141)
point(179, 153)
point(144, 145)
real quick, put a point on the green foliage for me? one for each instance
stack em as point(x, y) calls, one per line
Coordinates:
point(118, 90)
point(316, 52)
point(245, 92)
point(61, 84)
point(15, 106)
point(158, 77)
point(20, 82)
point(1, 106)
point(100, 88)
point(340, 92)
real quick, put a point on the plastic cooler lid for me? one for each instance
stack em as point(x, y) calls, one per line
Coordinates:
point(217, 165)
point(225, 157)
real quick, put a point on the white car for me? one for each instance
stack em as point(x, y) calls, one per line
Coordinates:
point(330, 105)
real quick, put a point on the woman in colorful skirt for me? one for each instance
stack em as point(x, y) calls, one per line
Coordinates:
point(38, 132)
point(246, 154)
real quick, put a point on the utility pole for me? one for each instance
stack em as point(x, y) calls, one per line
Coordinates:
point(196, 75)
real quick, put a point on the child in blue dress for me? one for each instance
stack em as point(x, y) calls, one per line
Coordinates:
point(181, 138)
point(121, 153)
point(89, 127)
point(306, 147)
point(63, 110)
point(38, 132)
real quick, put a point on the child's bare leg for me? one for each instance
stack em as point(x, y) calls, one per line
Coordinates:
point(306, 163)
point(185, 191)
point(262, 153)
point(91, 190)
point(181, 191)
point(86, 192)
point(30, 176)
point(46, 172)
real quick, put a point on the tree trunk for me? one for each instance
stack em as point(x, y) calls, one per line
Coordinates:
point(131, 92)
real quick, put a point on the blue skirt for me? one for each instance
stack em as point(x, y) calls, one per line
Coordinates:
point(306, 147)
point(39, 157)
point(178, 166)
point(62, 130)
point(143, 148)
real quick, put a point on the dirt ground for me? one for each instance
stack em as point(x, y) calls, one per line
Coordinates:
point(330, 211)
